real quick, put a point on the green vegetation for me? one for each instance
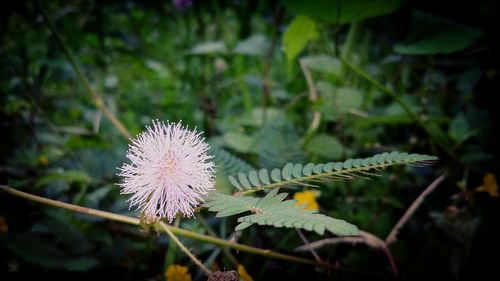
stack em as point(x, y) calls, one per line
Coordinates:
point(383, 111)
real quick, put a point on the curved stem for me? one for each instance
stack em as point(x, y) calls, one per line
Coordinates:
point(183, 248)
point(81, 76)
point(433, 131)
point(392, 237)
point(313, 97)
point(175, 230)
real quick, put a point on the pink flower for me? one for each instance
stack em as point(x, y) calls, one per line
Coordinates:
point(170, 171)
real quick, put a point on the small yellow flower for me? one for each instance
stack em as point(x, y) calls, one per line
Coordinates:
point(4, 227)
point(243, 273)
point(489, 185)
point(177, 273)
point(308, 198)
point(43, 160)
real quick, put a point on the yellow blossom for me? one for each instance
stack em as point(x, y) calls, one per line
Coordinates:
point(177, 273)
point(489, 185)
point(4, 227)
point(308, 198)
point(43, 160)
point(243, 273)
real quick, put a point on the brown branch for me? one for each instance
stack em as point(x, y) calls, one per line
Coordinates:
point(306, 242)
point(392, 237)
point(364, 237)
point(373, 241)
point(99, 102)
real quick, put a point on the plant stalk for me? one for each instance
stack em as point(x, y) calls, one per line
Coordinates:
point(174, 230)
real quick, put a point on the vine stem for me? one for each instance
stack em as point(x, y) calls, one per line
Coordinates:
point(81, 76)
point(433, 131)
point(173, 229)
point(184, 249)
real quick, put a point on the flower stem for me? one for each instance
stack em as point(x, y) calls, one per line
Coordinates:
point(174, 230)
point(183, 248)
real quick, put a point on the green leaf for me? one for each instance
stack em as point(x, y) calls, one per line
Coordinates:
point(297, 170)
point(308, 169)
point(234, 182)
point(228, 162)
point(292, 174)
point(254, 178)
point(243, 180)
point(273, 211)
point(264, 176)
point(286, 173)
point(302, 30)
point(276, 175)
point(239, 142)
point(218, 202)
point(69, 176)
point(459, 128)
point(278, 143)
point(208, 48)
point(338, 101)
point(342, 11)
point(347, 99)
point(326, 146)
point(322, 63)
point(432, 35)
point(256, 45)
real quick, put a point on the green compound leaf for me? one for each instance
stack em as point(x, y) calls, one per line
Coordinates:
point(296, 174)
point(273, 211)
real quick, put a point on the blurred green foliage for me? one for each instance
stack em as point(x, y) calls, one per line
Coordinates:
point(235, 69)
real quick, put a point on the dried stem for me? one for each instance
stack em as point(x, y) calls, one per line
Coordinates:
point(81, 76)
point(306, 242)
point(373, 241)
point(365, 238)
point(392, 237)
point(313, 96)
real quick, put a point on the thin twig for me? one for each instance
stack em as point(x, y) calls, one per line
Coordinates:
point(313, 96)
point(82, 77)
point(364, 237)
point(175, 230)
point(184, 249)
point(269, 59)
point(392, 237)
point(306, 242)
point(373, 241)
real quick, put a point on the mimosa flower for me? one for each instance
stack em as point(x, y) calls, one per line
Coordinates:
point(170, 171)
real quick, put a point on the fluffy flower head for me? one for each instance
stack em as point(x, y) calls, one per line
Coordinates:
point(169, 172)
